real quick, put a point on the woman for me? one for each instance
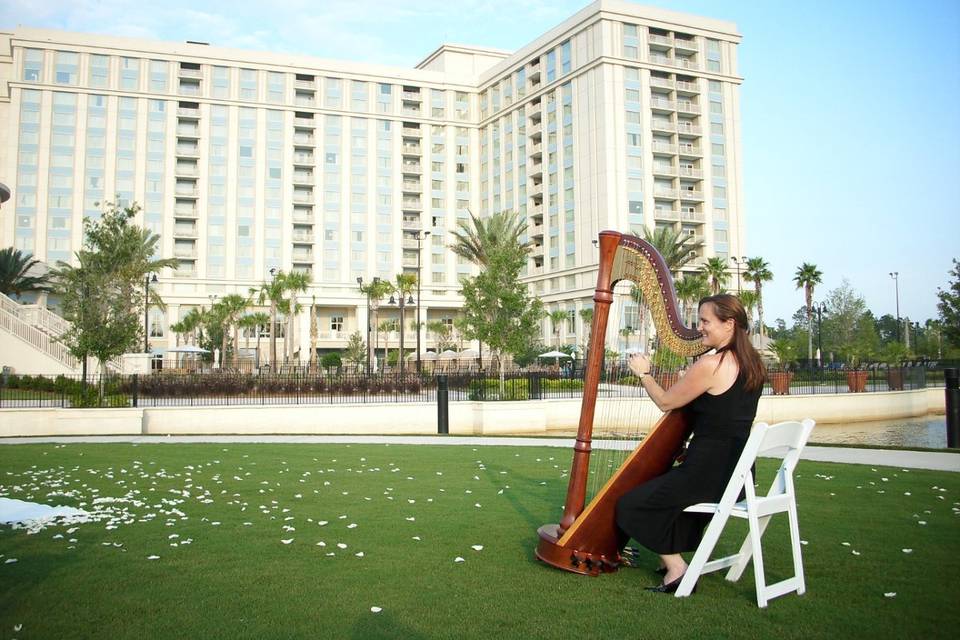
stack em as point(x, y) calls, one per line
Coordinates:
point(720, 392)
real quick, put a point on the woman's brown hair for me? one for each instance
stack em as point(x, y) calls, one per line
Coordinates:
point(727, 307)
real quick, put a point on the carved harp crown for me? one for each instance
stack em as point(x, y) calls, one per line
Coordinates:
point(587, 539)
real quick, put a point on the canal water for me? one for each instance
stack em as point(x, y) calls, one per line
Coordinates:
point(927, 431)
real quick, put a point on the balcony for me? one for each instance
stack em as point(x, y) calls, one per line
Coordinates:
point(302, 196)
point(303, 237)
point(412, 132)
point(535, 129)
point(189, 88)
point(305, 84)
point(693, 216)
point(184, 212)
point(657, 58)
point(411, 223)
point(303, 158)
point(689, 149)
point(663, 104)
point(412, 149)
point(185, 232)
point(303, 216)
point(191, 113)
point(534, 168)
point(185, 253)
point(665, 41)
point(691, 194)
point(409, 262)
point(664, 192)
point(536, 211)
point(535, 189)
point(409, 243)
point(535, 150)
point(535, 230)
point(664, 170)
point(663, 147)
point(412, 186)
point(188, 131)
point(690, 172)
point(411, 204)
point(689, 129)
point(410, 108)
point(302, 257)
point(687, 44)
point(182, 191)
point(536, 251)
point(668, 215)
point(688, 106)
point(663, 125)
point(188, 151)
point(412, 96)
point(185, 270)
point(310, 123)
point(686, 63)
point(304, 99)
point(190, 170)
point(688, 87)
point(301, 177)
point(304, 140)
point(661, 82)
point(413, 168)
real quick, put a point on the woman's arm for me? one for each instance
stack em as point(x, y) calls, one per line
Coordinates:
point(697, 380)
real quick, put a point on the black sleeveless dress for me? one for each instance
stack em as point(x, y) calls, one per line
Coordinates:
point(652, 513)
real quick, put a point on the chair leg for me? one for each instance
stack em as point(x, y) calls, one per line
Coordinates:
point(756, 533)
point(702, 554)
point(795, 544)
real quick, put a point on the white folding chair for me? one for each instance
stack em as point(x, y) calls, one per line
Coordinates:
point(788, 438)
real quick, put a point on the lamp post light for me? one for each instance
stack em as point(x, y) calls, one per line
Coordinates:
point(820, 308)
point(420, 238)
point(367, 292)
point(147, 281)
point(402, 303)
point(896, 285)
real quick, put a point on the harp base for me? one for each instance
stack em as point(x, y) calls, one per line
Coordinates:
point(585, 563)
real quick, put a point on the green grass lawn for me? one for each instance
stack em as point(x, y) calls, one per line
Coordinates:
point(218, 515)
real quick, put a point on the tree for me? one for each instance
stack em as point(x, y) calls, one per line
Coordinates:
point(716, 273)
point(759, 272)
point(101, 295)
point(586, 316)
point(14, 268)
point(808, 277)
point(476, 239)
point(845, 324)
point(253, 322)
point(272, 292)
point(443, 334)
point(376, 290)
point(557, 318)
point(949, 306)
point(749, 300)
point(294, 282)
point(356, 351)
point(676, 247)
point(497, 308)
point(689, 289)
point(229, 308)
point(385, 327)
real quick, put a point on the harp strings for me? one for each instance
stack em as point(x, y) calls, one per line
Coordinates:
point(624, 413)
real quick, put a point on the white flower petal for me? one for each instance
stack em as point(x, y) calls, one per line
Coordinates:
point(459, 559)
point(287, 541)
point(376, 609)
point(153, 557)
point(907, 550)
point(477, 547)
point(890, 594)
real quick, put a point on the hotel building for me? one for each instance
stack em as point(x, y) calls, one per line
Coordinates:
point(622, 117)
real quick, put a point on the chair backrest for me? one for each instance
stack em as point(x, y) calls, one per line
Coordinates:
point(790, 437)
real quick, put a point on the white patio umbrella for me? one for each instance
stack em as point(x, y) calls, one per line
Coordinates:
point(188, 348)
point(556, 355)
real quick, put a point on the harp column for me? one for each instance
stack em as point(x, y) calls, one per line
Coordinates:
point(602, 298)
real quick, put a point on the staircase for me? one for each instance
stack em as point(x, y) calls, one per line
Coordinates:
point(28, 338)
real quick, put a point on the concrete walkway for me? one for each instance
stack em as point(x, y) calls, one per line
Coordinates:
point(933, 460)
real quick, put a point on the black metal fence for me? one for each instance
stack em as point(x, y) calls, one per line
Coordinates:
point(220, 388)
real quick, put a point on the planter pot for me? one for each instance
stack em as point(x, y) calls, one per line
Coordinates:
point(895, 379)
point(857, 381)
point(780, 381)
point(667, 380)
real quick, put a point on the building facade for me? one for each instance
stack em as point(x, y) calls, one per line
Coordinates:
point(622, 117)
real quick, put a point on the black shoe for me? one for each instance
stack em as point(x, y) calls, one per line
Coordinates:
point(668, 588)
point(662, 571)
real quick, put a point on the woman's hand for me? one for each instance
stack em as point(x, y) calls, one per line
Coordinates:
point(639, 364)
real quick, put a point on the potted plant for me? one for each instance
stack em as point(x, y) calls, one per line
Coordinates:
point(856, 377)
point(781, 376)
point(894, 354)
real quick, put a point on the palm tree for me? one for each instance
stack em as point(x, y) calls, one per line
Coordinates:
point(14, 266)
point(586, 316)
point(749, 300)
point(272, 292)
point(476, 239)
point(557, 319)
point(386, 326)
point(191, 321)
point(677, 248)
point(807, 277)
point(689, 289)
point(253, 321)
point(295, 282)
point(715, 270)
point(375, 291)
point(230, 308)
point(406, 284)
point(759, 271)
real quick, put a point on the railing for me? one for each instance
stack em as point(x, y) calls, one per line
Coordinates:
point(312, 384)
point(36, 338)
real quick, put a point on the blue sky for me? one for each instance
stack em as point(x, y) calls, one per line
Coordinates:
point(851, 135)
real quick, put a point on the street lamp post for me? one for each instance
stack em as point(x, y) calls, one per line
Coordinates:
point(420, 238)
point(147, 281)
point(403, 303)
point(896, 285)
point(360, 283)
point(737, 263)
point(820, 308)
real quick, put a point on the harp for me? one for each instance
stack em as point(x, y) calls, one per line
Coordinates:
point(587, 540)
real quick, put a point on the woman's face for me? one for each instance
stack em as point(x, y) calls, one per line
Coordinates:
point(716, 333)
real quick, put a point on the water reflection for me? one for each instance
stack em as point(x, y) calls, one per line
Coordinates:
point(928, 431)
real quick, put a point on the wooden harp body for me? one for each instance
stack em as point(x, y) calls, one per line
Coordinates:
point(587, 540)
